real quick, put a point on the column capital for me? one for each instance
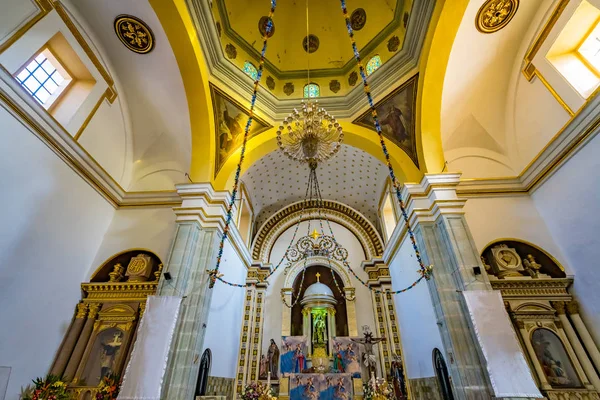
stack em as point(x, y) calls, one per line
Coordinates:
point(81, 310)
point(94, 308)
point(573, 307)
point(202, 204)
point(559, 306)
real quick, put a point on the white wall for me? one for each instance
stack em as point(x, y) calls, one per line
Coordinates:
point(145, 228)
point(516, 217)
point(416, 317)
point(52, 225)
point(273, 303)
point(569, 202)
point(224, 325)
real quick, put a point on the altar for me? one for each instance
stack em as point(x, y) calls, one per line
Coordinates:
point(328, 386)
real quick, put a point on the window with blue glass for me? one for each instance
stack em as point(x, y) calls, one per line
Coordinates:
point(373, 64)
point(250, 70)
point(312, 90)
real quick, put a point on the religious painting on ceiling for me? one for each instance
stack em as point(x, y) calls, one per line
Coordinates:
point(396, 114)
point(230, 121)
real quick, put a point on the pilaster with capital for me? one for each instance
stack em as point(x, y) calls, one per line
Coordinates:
point(584, 334)
point(66, 349)
point(442, 233)
point(200, 222)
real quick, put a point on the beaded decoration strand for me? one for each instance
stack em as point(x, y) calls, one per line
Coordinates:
point(425, 271)
point(214, 273)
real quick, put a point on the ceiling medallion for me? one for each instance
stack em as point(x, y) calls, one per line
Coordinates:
point(270, 82)
point(134, 34)
point(334, 86)
point(393, 44)
point(358, 19)
point(313, 43)
point(288, 88)
point(495, 15)
point(352, 78)
point(262, 26)
point(231, 51)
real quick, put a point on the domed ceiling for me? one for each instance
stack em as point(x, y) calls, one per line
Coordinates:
point(352, 177)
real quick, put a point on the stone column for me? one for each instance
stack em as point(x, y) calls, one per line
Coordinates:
point(330, 329)
point(443, 235)
point(576, 363)
point(584, 334)
point(533, 357)
point(70, 341)
point(586, 364)
point(200, 222)
point(82, 342)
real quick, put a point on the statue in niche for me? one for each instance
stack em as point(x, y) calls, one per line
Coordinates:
point(532, 267)
point(273, 359)
point(264, 367)
point(368, 356)
point(319, 328)
point(109, 353)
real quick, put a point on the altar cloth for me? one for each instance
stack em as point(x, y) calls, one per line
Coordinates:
point(320, 386)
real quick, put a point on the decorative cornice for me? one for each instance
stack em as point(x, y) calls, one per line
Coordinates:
point(388, 75)
point(103, 291)
point(336, 212)
point(555, 289)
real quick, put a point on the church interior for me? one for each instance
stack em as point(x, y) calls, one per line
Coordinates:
point(300, 200)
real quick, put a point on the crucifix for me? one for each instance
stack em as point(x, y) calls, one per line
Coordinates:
point(318, 275)
point(368, 356)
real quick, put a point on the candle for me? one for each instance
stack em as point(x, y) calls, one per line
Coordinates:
point(269, 380)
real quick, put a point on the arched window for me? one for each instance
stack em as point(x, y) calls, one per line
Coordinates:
point(373, 64)
point(250, 70)
point(312, 90)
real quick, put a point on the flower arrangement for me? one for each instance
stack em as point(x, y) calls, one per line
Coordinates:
point(49, 388)
point(378, 389)
point(108, 389)
point(258, 391)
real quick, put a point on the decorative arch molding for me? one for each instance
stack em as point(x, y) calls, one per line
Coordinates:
point(339, 213)
point(296, 268)
point(105, 267)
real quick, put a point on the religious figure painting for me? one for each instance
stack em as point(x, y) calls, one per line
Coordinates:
point(554, 359)
point(320, 387)
point(103, 358)
point(346, 356)
point(396, 113)
point(293, 354)
point(231, 118)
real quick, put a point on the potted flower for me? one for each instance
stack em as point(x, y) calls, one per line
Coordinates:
point(49, 388)
point(378, 389)
point(258, 391)
point(108, 389)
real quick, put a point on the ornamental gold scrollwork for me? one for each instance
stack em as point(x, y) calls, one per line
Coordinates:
point(495, 15)
point(94, 308)
point(81, 310)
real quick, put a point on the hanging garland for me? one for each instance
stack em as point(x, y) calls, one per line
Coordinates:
point(425, 271)
point(214, 273)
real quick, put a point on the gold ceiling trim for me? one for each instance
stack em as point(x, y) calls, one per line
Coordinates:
point(494, 15)
point(275, 225)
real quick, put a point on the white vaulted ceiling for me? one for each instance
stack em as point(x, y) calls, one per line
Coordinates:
point(352, 177)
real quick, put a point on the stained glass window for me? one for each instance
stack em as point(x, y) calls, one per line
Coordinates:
point(250, 70)
point(42, 78)
point(373, 64)
point(312, 90)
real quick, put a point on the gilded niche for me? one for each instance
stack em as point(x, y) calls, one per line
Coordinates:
point(134, 34)
point(495, 15)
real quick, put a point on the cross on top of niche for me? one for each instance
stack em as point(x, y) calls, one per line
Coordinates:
point(318, 275)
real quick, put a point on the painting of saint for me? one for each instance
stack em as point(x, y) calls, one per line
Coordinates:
point(293, 354)
point(554, 359)
point(396, 113)
point(230, 122)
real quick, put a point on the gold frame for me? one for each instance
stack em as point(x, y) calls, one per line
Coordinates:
point(127, 17)
point(535, 246)
point(214, 89)
point(506, 21)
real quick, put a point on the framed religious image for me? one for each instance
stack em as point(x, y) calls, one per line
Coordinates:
point(555, 361)
point(293, 354)
point(231, 118)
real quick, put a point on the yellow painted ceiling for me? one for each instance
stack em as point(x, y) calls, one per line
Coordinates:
point(285, 52)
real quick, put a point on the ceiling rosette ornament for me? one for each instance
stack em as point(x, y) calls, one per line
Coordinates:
point(495, 15)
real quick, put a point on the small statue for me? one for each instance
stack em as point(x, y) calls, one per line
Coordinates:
point(319, 327)
point(117, 273)
point(397, 373)
point(488, 267)
point(532, 267)
point(300, 359)
point(264, 367)
point(273, 359)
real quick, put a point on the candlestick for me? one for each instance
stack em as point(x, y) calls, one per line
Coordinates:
point(269, 380)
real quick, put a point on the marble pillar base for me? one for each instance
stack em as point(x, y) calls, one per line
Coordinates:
point(424, 389)
point(211, 398)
